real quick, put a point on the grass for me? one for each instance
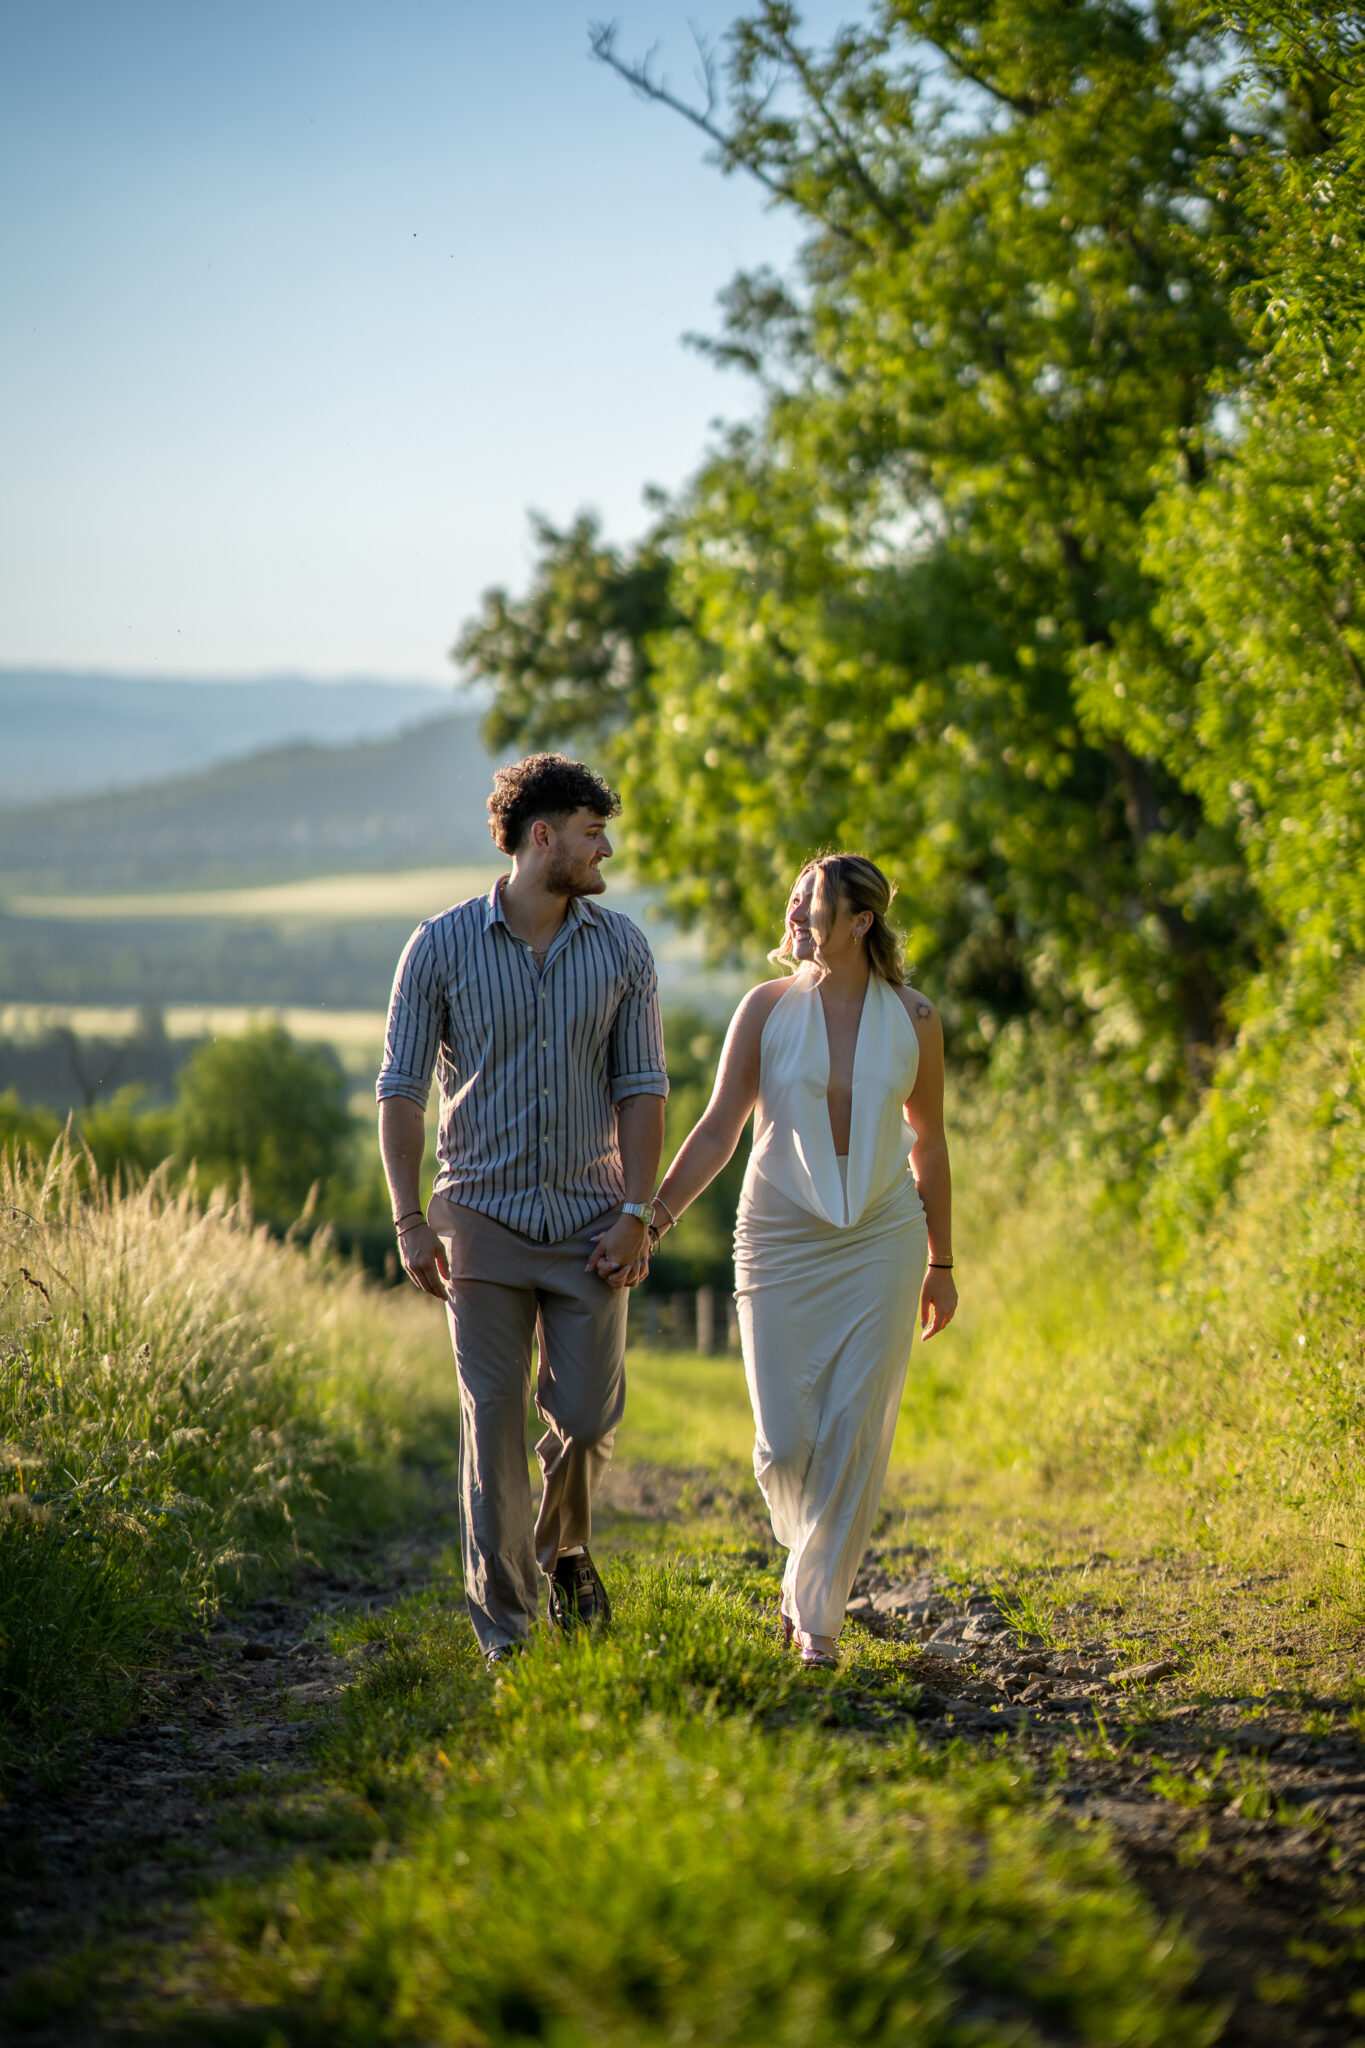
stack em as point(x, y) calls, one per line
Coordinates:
point(187, 1408)
point(669, 1835)
point(411, 893)
point(1176, 1454)
point(760, 1853)
point(688, 1411)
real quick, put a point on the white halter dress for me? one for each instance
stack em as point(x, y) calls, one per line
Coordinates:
point(829, 1260)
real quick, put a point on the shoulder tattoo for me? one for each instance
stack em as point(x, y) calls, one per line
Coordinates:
point(924, 1009)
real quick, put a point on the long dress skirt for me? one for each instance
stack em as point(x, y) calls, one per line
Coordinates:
point(827, 1318)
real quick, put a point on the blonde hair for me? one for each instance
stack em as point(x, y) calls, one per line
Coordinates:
point(860, 883)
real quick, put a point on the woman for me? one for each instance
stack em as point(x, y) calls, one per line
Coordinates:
point(844, 1065)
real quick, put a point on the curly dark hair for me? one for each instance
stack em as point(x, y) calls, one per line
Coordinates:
point(548, 786)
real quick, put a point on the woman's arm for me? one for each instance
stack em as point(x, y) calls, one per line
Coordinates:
point(929, 1164)
point(710, 1144)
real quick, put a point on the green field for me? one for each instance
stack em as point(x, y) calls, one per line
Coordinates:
point(321, 899)
point(278, 946)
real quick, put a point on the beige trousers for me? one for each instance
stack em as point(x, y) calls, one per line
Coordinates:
point(506, 1291)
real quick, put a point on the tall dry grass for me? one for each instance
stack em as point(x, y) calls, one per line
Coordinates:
point(185, 1405)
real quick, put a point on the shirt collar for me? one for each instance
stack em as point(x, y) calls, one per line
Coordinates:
point(580, 909)
point(492, 908)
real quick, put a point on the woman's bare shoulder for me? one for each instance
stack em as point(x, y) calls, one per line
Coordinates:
point(758, 1005)
point(918, 1007)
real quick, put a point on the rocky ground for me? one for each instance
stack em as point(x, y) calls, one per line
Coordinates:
point(1243, 1817)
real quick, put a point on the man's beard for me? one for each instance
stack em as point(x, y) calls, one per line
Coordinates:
point(563, 879)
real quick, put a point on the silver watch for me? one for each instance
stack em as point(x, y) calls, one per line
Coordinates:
point(644, 1210)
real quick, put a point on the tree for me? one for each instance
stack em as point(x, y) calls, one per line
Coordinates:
point(878, 598)
point(261, 1106)
point(571, 655)
point(126, 1136)
point(1247, 680)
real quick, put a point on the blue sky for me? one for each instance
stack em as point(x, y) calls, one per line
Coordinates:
point(307, 301)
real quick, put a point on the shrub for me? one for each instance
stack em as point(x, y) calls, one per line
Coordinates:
point(261, 1106)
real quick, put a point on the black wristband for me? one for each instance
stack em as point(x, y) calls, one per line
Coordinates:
point(943, 1265)
point(399, 1221)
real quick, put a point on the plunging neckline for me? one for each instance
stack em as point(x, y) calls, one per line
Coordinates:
point(794, 1146)
point(852, 1068)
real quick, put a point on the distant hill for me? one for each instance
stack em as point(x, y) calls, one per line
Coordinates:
point(65, 732)
point(414, 800)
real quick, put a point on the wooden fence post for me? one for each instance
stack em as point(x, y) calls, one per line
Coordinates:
point(706, 1319)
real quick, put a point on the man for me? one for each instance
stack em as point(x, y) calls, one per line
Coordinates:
point(539, 1012)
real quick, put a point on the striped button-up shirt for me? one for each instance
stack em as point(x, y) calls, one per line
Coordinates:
point(531, 1065)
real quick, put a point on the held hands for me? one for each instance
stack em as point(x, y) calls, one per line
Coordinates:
point(937, 1301)
point(423, 1259)
point(620, 1255)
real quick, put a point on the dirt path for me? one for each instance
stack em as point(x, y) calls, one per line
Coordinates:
point(1246, 1819)
point(187, 1796)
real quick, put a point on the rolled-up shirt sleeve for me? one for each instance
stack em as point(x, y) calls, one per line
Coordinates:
point(635, 1060)
point(412, 1038)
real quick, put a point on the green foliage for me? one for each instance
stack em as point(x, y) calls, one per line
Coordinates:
point(26, 1131)
point(262, 1106)
point(1257, 563)
point(1300, 179)
point(879, 593)
point(122, 1137)
point(1215, 1408)
point(1260, 569)
point(1037, 575)
point(1247, 680)
point(184, 1406)
point(126, 1135)
point(571, 652)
